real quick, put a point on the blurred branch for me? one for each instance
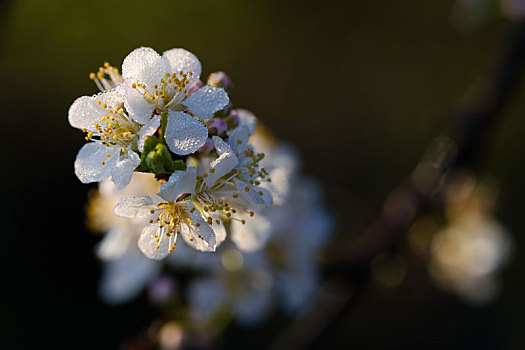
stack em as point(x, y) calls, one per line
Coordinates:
point(471, 125)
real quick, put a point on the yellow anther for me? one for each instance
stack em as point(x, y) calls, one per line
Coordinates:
point(243, 221)
point(197, 224)
point(133, 86)
point(217, 221)
point(191, 239)
point(260, 193)
point(92, 76)
point(152, 211)
point(102, 162)
point(246, 189)
point(90, 135)
point(99, 102)
point(124, 149)
point(252, 213)
point(108, 155)
point(167, 75)
point(150, 221)
point(239, 141)
point(104, 106)
point(115, 137)
point(210, 220)
point(84, 130)
point(212, 170)
point(106, 64)
point(235, 196)
point(155, 87)
point(205, 175)
point(190, 73)
point(181, 72)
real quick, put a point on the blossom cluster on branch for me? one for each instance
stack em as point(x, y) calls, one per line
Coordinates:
point(173, 157)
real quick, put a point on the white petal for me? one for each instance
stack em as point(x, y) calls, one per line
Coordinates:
point(88, 165)
point(255, 303)
point(144, 65)
point(180, 182)
point(238, 139)
point(184, 134)
point(253, 235)
point(247, 119)
point(221, 146)
point(124, 278)
point(206, 101)
point(134, 207)
point(205, 296)
point(124, 168)
point(182, 60)
point(218, 229)
point(222, 165)
point(114, 243)
point(137, 107)
point(85, 111)
point(148, 244)
point(251, 192)
point(191, 234)
point(147, 130)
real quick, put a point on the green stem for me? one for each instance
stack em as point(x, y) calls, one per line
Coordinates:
point(163, 123)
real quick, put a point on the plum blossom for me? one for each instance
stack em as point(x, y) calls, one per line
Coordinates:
point(116, 138)
point(157, 84)
point(172, 213)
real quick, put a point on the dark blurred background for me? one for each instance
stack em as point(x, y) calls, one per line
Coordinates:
point(360, 87)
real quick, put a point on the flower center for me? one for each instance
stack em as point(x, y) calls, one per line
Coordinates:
point(169, 93)
point(115, 129)
point(210, 204)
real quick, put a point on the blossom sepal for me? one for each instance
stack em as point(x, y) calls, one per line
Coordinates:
point(157, 159)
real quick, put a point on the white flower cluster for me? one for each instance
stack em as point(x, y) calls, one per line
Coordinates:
point(158, 117)
point(173, 158)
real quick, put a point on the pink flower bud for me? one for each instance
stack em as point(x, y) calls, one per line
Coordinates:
point(233, 118)
point(207, 147)
point(217, 126)
point(194, 87)
point(220, 79)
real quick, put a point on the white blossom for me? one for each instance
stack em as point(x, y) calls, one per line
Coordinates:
point(173, 212)
point(154, 84)
point(116, 138)
point(126, 271)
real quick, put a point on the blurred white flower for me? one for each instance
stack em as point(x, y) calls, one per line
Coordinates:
point(467, 256)
point(126, 270)
point(468, 253)
point(154, 84)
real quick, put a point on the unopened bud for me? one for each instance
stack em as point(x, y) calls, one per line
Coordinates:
point(220, 79)
point(233, 119)
point(217, 126)
point(207, 147)
point(194, 87)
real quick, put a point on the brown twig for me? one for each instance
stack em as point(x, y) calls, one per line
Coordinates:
point(471, 125)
